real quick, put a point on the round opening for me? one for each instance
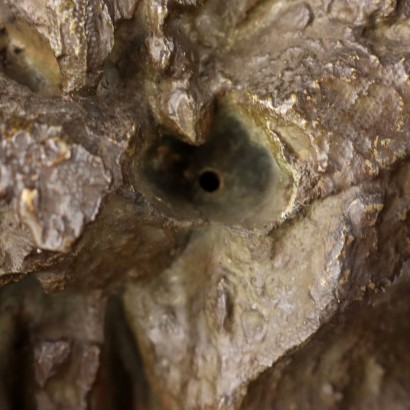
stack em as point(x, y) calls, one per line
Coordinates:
point(209, 181)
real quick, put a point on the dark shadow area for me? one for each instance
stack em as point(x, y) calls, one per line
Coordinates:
point(16, 355)
point(121, 382)
point(226, 178)
point(53, 355)
point(209, 181)
point(20, 372)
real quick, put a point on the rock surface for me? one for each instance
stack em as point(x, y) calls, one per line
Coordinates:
point(204, 204)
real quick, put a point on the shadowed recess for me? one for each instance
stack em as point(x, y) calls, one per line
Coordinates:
point(209, 181)
point(226, 178)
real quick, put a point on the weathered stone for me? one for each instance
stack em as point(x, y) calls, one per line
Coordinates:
point(204, 204)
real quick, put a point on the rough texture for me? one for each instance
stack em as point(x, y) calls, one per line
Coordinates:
point(204, 204)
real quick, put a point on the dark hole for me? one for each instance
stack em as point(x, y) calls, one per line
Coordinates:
point(209, 181)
